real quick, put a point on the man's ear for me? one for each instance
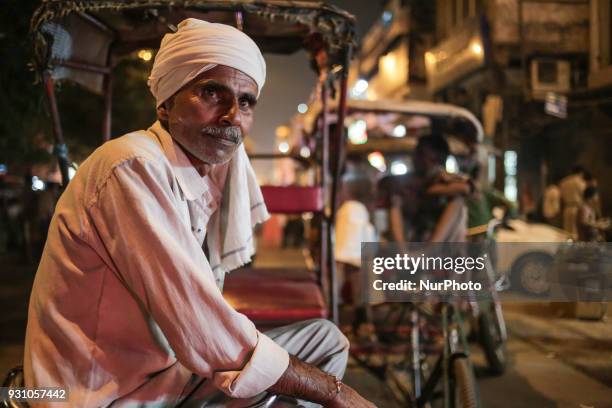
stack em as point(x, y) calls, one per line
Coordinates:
point(162, 113)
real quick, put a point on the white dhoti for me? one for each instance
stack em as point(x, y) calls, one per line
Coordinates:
point(318, 342)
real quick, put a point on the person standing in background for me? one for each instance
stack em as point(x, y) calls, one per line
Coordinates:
point(353, 226)
point(551, 204)
point(590, 227)
point(572, 188)
point(591, 181)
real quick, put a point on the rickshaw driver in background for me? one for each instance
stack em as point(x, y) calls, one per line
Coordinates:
point(126, 308)
point(431, 207)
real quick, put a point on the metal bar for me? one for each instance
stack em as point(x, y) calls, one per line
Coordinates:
point(269, 156)
point(335, 181)
point(416, 353)
point(431, 383)
point(558, 1)
point(325, 234)
point(108, 107)
point(324, 141)
point(60, 148)
point(82, 66)
point(97, 23)
point(342, 109)
point(239, 20)
point(446, 356)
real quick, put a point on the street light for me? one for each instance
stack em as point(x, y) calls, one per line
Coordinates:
point(283, 147)
point(282, 132)
point(398, 168)
point(359, 88)
point(357, 132)
point(305, 152)
point(37, 184)
point(430, 58)
point(452, 166)
point(389, 63)
point(399, 131)
point(145, 55)
point(377, 160)
point(476, 48)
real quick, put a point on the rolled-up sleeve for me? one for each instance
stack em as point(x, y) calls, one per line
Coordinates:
point(268, 362)
point(138, 227)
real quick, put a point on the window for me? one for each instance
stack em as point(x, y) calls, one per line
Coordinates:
point(491, 168)
point(463, 10)
point(510, 185)
point(547, 71)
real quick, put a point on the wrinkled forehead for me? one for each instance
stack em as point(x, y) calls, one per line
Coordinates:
point(231, 79)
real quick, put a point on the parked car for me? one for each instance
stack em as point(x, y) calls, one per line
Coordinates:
point(525, 253)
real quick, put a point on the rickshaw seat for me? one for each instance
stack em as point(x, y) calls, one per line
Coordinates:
point(275, 296)
point(275, 302)
point(255, 275)
point(293, 199)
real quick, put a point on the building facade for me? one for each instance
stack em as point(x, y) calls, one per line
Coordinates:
point(538, 73)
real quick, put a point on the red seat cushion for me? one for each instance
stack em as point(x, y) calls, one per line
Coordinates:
point(275, 301)
point(292, 199)
point(250, 276)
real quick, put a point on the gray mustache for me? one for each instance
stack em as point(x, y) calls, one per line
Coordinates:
point(232, 133)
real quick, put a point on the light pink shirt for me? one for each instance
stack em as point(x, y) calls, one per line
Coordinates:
point(124, 290)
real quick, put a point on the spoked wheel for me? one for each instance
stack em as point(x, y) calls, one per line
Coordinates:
point(463, 384)
point(491, 339)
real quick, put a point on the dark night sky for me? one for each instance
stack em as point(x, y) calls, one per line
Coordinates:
point(290, 81)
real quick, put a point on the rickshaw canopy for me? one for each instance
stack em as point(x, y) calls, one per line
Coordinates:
point(82, 40)
point(459, 125)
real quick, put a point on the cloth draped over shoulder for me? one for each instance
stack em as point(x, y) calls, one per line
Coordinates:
point(230, 229)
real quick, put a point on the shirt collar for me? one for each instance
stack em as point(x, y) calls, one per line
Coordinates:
point(192, 184)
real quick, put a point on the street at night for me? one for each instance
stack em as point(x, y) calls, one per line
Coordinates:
point(554, 361)
point(316, 204)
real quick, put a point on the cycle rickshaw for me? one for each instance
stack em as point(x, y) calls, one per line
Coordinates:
point(381, 137)
point(82, 42)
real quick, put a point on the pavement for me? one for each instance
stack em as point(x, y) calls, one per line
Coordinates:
point(554, 361)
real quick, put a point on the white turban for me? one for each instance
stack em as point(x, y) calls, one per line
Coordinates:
point(198, 46)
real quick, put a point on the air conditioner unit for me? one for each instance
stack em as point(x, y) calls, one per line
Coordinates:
point(549, 75)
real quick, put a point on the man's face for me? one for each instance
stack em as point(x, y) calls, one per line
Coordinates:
point(210, 115)
point(425, 159)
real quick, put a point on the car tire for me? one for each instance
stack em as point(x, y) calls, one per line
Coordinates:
point(530, 273)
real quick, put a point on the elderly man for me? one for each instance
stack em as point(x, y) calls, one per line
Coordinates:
point(126, 308)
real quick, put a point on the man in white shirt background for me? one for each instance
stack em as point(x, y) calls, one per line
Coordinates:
point(572, 188)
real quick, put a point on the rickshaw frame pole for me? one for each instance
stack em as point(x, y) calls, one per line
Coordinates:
point(108, 107)
point(60, 148)
point(335, 181)
point(325, 254)
point(83, 67)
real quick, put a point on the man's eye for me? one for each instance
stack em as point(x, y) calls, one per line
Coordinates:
point(247, 103)
point(210, 92)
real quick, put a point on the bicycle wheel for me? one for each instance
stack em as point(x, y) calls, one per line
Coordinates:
point(492, 342)
point(463, 384)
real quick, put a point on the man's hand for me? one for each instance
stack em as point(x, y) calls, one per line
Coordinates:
point(348, 398)
point(307, 382)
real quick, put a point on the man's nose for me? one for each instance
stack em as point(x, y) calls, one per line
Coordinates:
point(231, 117)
